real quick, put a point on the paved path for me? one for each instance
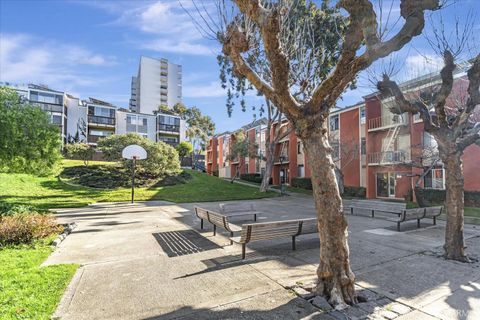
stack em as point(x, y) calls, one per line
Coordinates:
point(152, 261)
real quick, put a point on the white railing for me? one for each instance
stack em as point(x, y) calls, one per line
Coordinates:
point(387, 121)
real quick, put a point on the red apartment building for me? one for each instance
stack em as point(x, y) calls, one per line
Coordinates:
point(383, 152)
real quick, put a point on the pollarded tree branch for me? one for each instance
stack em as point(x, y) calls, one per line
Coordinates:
point(236, 42)
point(473, 136)
point(390, 88)
point(473, 90)
point(413, 11)
point(442, 94)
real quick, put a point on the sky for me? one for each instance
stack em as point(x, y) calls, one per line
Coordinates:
point(92, 48)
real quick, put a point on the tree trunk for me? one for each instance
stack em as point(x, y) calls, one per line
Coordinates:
point(339, 177)
point(454, 205)
point(270, 159)
point(335, 278)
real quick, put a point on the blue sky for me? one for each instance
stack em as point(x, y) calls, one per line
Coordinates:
point(92, 48)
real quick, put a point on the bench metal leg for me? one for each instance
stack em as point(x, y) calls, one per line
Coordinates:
point(351, 211)
point(201, 224)
point(214, 230)
point(373, 213)
point(434, 221)
point(255, 217)
point(243, 250)
point(398, 226)
point(418, 223)
point(293, 243)
point(231, 235)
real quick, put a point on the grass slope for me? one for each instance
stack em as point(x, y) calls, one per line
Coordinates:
point(28, 291)
point(50, 192)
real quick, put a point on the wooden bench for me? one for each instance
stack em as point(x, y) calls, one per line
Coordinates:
point(377, 206)
point(408, 215)
point(217, 220)
point(418, 214)
point(273, 230)
point(239, 209)
point(433, 213)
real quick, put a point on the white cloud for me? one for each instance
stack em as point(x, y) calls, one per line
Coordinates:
point(169, 28)
point(24, 59)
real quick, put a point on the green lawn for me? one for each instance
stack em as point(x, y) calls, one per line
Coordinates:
point(28, 291)
point(50, 192)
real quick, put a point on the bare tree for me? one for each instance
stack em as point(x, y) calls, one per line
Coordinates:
point(295, 87)
point(454, 127)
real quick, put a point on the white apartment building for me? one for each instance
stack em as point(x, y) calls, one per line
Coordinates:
point(132, 122)
point(158, 83)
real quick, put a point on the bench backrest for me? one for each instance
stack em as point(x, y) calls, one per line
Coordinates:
point(236, 207)
point(218, 219)
point(378, 205)
point(201, 213)
point(431, 212)
point(268, 230)
point(412, 214)
point(309, 226)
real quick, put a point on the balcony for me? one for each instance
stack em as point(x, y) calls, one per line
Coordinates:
point(387, 121)
point(49, 107)
point(388, 158)
point(168, 128)
point(101, 121)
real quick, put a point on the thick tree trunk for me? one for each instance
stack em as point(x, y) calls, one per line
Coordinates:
point(335, 278)
point(454, 205)
point(270, 159)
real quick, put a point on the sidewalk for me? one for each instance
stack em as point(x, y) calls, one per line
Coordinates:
point(151, 261)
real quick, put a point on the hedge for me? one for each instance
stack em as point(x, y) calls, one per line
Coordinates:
point(303, 183)
point(252, 177)
point(431, 197)
point(357, 192)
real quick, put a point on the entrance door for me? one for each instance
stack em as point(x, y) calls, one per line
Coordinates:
point(386, 185)
point(284, 175)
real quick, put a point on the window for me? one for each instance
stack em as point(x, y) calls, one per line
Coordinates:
point(246, 168)
point(46, 97)
point(103, 112)
point(300, 171)
point(435, 179)
point(362, 115)
point(335, 150)
point(334, 123)
point(299, 148)
point(416, 117)
point(56, 119)
point(363, 146)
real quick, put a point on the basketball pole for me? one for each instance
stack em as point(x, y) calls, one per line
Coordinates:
point(133, 178)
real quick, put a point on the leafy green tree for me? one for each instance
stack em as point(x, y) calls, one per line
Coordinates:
point(79, 151)
point(162, 159)
point(240, 149)
point(184, 148)
point(29, 143)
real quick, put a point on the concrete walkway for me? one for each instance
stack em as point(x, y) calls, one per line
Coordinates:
point(151, 261)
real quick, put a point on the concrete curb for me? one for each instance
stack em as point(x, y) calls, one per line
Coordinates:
point(68, 229)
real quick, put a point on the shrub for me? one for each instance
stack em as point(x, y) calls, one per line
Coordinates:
point(79, 151)
point(304, 183)
point(25, 228)
point(215, 173)
point(9, 209)
point(162, 159)
point(252, 177)
point(431, 197)
point(357, 192)
point(184, 148)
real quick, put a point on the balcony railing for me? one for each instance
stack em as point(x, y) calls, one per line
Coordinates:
point(49, 107)
point(168, 127)
point(101, 120)
point(387, 121)
point(388, 157)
